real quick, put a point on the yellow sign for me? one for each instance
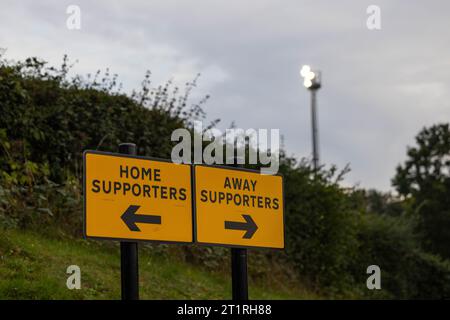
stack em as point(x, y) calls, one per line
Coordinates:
point(136, 198)
point(238, 207)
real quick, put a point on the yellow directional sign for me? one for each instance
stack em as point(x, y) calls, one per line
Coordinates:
point(238, 207)
point(136, 198)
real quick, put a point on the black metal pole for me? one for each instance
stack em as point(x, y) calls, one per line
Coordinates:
point(315, 143)
point(239, 277)
point(129, 252)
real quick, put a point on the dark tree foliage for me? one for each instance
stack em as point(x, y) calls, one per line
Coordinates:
point(425, 179)
point(428, 163)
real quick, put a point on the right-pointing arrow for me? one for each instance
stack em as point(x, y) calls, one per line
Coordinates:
point(249, 226)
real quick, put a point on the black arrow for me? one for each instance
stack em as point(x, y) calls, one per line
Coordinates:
point(131, 218)
point(249, 225)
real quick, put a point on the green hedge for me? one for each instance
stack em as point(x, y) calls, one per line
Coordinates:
point(406, 271)
point(50, 119)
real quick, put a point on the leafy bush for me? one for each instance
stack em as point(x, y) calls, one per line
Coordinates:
point(53, 120)
point(406, 271)
point(320, 225)
point(429, 276)
point(386, 242)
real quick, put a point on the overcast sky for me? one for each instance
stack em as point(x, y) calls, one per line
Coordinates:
point(380, 87)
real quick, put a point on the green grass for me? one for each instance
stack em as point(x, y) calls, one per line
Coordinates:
point(33, 266)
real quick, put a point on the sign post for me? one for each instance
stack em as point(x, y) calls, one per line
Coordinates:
point(239, 269)
point(129, 199)
point(239, 208)
point(239, 279)
point(129, 270)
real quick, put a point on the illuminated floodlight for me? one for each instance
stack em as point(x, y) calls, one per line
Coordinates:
point(311, 79)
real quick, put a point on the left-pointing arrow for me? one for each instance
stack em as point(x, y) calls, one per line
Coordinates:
point(131, 218)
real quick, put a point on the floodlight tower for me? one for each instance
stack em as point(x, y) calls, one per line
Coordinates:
point(312, 81)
